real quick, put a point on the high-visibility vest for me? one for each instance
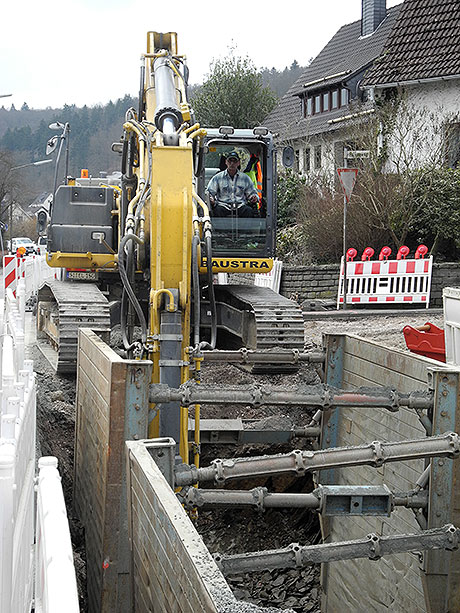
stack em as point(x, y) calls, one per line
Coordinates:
point(254, 172)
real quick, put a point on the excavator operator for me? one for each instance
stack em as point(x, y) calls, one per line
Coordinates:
point(231, 191)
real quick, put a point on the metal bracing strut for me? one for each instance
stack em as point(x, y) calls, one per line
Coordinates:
point(322, 396)
point(241, 432)
point(372, 547)
point(269, 356)
point(328, 500)
point(299, 462)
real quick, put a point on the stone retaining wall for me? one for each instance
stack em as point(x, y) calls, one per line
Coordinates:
point(305, 283)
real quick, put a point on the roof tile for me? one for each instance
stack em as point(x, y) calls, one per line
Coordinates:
point(424, 43)
point(347, 51)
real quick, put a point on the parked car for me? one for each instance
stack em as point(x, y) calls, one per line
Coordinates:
point(41, 245)
point(25, 242)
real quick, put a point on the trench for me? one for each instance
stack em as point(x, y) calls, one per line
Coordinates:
point(224, 530)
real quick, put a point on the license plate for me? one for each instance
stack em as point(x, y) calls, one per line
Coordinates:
point(81, 275)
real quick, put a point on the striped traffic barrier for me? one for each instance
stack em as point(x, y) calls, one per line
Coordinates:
point(9, 272)
point(387, 281)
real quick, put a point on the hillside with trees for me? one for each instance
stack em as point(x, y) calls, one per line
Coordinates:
point(25, 132)
point(235, 90)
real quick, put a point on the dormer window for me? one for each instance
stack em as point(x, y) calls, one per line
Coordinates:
point(325, 101)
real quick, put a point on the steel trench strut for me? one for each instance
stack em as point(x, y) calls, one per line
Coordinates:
point(299, 462)
point(372, 547)
point(322, 396)
point(260, 498)
point(270, 356)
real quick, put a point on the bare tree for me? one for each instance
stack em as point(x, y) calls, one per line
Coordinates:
point(402, 147)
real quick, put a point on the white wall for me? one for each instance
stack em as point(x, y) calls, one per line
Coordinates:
point(420, 129)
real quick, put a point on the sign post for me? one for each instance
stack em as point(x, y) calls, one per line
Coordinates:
point(347, 178)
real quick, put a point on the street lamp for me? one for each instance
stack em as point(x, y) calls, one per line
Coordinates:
point(3, 226)
point(38, 163)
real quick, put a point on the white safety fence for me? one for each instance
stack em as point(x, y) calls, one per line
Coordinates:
point(55, 586)
point(451, 303)
point(17, 476)
point(270, 279)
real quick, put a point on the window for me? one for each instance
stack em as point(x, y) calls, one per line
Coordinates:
point(335, 99)
point(344, 97)
point(318, 104)
point(297, 160)
point(307, 160)
point(318, 156)
point(326, 101)
point(453, 145)
point(309, 106)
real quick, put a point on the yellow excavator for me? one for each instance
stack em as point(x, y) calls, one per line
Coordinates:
point(144, 250)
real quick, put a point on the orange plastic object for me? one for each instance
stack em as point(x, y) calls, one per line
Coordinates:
point(403, 251)
point(351, 254)
point(84, 173)
point(421, 252)
point(367, 254)
point(385, 253)
point(428, 340)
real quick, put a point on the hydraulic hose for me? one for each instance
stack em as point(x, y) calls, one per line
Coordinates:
point(196, 291)
point(127, 285)
point(127, 338)
point(212, 296)
point(123, 322)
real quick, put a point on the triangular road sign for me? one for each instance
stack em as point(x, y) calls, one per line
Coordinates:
point(347, 178)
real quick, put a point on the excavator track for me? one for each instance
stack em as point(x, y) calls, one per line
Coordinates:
point(64, 307)
point(270, 320)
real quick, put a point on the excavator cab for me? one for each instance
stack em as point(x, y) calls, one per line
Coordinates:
point(251, 235)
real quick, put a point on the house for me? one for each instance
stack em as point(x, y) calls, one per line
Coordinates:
point(410, 52)
point(311, 115)
point(40, 209)
point(421, 61)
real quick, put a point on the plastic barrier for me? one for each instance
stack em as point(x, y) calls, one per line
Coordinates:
point(56, 584)
point(17, 460)
point(270, 279)
point(451, 301)
point(33, 269)
point(17, 468)
point(387, 281)
point(9, 272)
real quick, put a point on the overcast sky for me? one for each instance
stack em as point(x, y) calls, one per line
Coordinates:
point(87, 51)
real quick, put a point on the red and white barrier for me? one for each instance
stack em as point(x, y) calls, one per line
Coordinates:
point(387, 281)
point(10, 273)
point(33, 269)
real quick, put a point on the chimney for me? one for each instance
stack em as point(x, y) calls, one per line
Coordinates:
point(373, 13)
